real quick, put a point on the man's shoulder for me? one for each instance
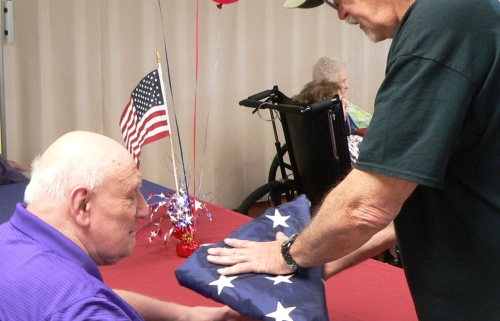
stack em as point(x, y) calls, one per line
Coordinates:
point(100, 304)
point(48, 286)
point(33, 276)
point(25, 258)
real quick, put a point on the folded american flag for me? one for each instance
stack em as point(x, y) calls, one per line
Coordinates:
point(295, 297)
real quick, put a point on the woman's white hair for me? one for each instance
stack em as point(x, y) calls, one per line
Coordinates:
point(55, 182)
point(327, 69)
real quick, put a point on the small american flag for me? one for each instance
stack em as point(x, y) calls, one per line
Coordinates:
point(145, 119)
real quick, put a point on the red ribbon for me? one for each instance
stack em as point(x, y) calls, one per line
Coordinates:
point(195, 97)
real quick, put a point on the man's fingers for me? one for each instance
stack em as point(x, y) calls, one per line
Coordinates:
point(238, 243)
point(219, 251)
point(236, 269)
point(222, 260)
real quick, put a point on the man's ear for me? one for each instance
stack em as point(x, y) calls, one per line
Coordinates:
point(80, 205)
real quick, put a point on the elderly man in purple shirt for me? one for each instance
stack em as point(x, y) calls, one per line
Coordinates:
point(83, 205)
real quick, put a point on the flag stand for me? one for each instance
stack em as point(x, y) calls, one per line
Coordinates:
point(168, 119)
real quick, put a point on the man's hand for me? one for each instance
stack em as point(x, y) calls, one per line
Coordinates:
point(250, 256)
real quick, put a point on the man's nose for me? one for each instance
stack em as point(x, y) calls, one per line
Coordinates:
point(341, 12)
point(142, 207)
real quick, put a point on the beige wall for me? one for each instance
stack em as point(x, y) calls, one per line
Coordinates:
point(74, 64)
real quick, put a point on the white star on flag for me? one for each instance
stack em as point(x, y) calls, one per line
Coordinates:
point(278, 219)
point(280, 278)
point(222, 282)
point(281, 314)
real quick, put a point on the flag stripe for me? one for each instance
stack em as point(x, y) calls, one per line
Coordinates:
point(150, 122)
point(145, 117)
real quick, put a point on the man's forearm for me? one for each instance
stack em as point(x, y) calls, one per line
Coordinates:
point(152, 309)
point(359, 207)
point(380, 242)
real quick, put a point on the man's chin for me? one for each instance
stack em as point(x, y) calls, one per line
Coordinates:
point(128, 252)
point(111, 260)
point(370, 34)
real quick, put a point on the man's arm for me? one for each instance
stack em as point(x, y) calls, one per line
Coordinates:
point(380, 242)
point(360, 206)
point(152, 309)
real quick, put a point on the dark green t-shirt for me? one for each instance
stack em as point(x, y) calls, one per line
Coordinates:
point(437, 123)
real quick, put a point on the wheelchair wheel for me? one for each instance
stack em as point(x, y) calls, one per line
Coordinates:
point(274, 193)
point(273, 170)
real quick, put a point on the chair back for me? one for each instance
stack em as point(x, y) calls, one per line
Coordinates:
point(318, 149)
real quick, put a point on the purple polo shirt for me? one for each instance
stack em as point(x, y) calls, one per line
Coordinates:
point(45, 276)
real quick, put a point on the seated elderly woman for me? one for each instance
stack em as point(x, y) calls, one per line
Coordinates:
point(329, 79)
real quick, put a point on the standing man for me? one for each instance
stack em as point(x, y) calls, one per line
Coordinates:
point(436, 174)
point(83, 205)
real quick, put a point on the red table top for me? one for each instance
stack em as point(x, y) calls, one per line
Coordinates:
point(369, 291)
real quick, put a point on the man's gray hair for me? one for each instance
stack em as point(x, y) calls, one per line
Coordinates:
point(55, 182)
point(327, 69)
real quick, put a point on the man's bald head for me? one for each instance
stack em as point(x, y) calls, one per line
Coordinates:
point(76, 158)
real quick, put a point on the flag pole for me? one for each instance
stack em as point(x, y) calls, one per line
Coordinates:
point(169, 123)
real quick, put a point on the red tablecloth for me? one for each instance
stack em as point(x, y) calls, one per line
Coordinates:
point(370, 291)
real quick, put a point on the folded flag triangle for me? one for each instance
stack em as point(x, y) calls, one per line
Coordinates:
point(294, 297)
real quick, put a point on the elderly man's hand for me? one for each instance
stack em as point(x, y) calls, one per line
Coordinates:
point(250, 256)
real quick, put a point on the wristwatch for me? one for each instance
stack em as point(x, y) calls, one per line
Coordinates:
point(285, 251)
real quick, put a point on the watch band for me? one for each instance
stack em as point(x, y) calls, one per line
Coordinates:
point(285, 251)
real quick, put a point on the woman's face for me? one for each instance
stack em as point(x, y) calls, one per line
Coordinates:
point(342, 82)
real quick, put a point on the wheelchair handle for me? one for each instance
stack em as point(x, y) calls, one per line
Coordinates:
point(255, 103)
point(324, 104)
point(262, 95)
point(258, 104)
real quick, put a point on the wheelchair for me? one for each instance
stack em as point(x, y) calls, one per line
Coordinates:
point(315, 143)
point(317, 148)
